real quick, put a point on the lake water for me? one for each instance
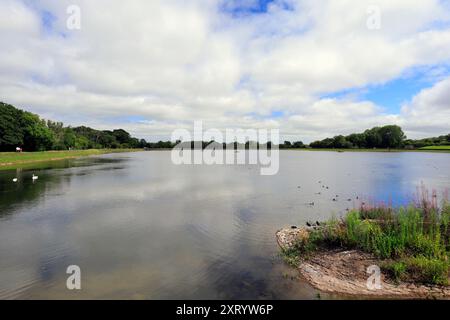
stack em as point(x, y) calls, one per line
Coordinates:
point(140, 227)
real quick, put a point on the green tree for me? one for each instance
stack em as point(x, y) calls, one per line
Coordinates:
point(373, 138)
point(341, 142)
point(11, 133)
point(69, 138)
point(24, 129)
point(357, 139)
point(392, 136)
point(122, 136)
point(37, 136)
point(298, 144)
point(82, 142)
point(108, 140)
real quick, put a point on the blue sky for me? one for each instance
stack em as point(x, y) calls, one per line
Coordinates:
point(47, 19)
point(390, 96)
point(249, 7)
point(396, 92)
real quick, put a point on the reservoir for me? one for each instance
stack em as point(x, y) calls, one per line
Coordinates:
point(140, 227)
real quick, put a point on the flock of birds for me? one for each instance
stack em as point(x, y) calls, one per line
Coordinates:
point(33, 177)
point(334, 199)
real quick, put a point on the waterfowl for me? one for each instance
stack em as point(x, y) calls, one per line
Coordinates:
point(34, 177)
point(308, 224)
point(318, 223)
point(15, 180)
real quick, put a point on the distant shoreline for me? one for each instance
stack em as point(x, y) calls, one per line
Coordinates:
point(15, 160)
point(370, 150)
point(333, 150)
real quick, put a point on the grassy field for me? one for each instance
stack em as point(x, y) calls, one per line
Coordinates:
point(443, 149)
point(12, 160)
point(437, 148)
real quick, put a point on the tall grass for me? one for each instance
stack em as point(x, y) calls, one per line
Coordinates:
point(413, 240)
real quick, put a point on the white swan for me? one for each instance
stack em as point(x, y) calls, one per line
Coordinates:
point(34, 177)
point(15, 180)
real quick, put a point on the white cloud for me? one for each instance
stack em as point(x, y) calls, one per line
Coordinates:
point(429, 111)
point(328, 117)
point(173, 61)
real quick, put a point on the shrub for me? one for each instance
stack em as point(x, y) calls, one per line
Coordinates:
point(396, 269)
point(416, 238)
point(428, 270)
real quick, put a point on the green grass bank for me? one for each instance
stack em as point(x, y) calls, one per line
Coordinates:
point(437, 149)
point(13, 160)
point(412, 242)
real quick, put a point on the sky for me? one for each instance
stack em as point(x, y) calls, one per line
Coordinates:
point(311, 68)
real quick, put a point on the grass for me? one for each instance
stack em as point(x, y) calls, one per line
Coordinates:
point(412, 242)
point(12, 160)
point(441, 149)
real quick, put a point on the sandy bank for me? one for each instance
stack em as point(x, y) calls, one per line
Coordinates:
point(345, 272)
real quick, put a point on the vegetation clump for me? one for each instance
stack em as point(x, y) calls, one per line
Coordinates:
point(386, 137)
point(412, 242)
point(28, 131)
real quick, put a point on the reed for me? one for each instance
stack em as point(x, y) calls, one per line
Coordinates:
point(413, 242)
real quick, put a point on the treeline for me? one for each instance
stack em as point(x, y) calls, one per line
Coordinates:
point(436, 141)
point(293, 145)
point(387, 137)
point(225, 146)
point(24, 129)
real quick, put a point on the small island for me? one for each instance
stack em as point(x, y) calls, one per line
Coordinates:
point(410, 245)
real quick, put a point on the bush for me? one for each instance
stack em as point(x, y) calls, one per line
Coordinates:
point(396, 269)
point(428, 270)
point(414, 238)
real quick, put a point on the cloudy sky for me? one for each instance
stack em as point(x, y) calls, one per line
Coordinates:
point(312, 68)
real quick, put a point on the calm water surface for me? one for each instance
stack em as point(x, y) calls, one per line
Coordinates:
point(140, 227)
